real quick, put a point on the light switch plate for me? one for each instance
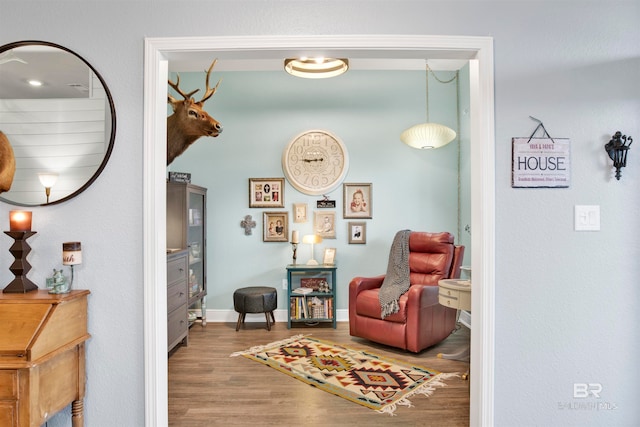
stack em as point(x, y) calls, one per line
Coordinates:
point(587, 218)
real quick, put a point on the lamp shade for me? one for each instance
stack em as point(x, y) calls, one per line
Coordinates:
point(316, 68)
point(311, 238)
point(48, 179)
point(427, 135)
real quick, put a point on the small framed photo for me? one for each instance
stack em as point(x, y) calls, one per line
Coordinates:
point(275, 226)
point(324, 224)
point(357, 232)
point(266, 192)
point(358, 201)
point(299, 212)
point(329, 256)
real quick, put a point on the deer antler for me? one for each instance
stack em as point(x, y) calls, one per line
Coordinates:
point(176, 87)
point(209, 92)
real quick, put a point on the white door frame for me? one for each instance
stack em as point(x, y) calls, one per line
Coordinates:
point(479, 52)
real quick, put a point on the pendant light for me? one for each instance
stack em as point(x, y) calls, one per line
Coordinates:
point(428, 135)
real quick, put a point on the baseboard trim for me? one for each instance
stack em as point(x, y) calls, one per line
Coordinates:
point(231, 316)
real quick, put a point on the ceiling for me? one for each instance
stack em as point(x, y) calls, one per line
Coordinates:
point(62, 75)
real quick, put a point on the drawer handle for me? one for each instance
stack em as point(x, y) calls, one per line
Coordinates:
point(448, 292)
point(181, 293)
point(181, 269)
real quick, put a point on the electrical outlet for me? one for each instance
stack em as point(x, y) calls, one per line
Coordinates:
point(284, 284)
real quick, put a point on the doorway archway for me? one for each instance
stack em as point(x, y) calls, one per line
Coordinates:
point(477, 50)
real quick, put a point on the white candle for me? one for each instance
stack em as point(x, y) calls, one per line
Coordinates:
point(295, 238)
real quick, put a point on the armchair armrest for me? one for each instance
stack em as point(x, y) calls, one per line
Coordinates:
point(420, 296)
point(359, 284)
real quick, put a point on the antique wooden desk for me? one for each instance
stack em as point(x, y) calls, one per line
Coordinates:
point(42, 356)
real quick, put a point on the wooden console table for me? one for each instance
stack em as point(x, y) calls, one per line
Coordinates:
point(42, 356)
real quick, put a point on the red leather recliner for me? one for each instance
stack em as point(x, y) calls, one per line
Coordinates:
point(421, 321)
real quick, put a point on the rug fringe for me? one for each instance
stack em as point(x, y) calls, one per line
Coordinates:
point(259, 348)
point(426, 389)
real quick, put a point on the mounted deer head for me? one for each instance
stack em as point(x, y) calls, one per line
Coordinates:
point(7, 164)
point(189, 121)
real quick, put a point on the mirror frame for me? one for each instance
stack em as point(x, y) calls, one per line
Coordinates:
point(112, 137)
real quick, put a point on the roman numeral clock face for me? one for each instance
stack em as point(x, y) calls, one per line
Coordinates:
point(315, 162)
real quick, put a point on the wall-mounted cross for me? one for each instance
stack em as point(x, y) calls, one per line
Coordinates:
point(247, 223)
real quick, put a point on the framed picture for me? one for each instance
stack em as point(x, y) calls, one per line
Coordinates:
point(275, 226)
point(358, 201)
point(266, 192)
point(357, 232)
point(324, 224)
point(329, 256)
point(299, 212)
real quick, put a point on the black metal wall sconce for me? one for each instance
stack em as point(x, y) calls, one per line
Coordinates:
point(617, 149)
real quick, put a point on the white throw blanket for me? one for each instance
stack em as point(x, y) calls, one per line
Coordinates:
point(396, 281)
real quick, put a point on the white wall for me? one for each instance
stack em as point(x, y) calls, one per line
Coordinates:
point(565, 301)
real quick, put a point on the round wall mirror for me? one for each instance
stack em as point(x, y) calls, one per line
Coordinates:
point(58, 116)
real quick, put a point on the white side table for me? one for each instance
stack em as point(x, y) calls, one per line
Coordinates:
point(456, 293)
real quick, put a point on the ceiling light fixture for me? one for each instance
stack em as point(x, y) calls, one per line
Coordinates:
point(316, 68)
point(429, 135)
point(36, 83)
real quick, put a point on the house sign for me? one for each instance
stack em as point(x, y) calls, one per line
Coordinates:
point(541, 162)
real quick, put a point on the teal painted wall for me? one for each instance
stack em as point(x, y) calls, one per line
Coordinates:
point(263, 111)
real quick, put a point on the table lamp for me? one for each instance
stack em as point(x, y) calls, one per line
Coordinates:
point(312, 239)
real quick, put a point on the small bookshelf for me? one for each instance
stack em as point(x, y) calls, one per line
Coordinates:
point(311, 291)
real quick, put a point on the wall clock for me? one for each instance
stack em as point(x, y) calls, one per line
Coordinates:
point(315, 162)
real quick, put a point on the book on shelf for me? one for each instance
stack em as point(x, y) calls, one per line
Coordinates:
point(299, 307)
point(302, 291)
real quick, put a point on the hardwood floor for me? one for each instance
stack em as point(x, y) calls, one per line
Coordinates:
point(209, 388)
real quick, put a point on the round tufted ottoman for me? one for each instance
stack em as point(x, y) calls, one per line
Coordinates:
point(255, 299)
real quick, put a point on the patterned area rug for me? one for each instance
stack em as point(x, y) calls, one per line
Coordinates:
point(359, 376)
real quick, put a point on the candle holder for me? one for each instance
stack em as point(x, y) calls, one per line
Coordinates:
point(20, 267)
point(294, 246)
